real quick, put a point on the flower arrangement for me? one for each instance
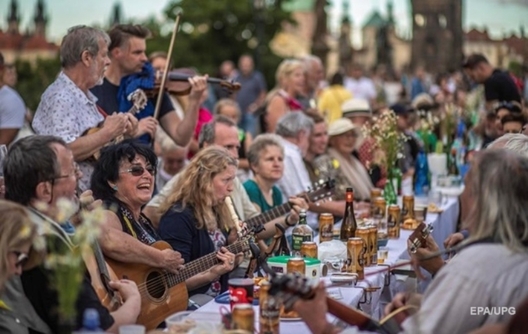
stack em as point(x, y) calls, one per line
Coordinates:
point(388, 145)
point(65, 258)
point(387, 139)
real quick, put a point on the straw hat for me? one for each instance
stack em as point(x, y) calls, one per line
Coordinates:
point(343, 125)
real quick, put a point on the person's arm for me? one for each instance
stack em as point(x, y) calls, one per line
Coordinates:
point(337, 208)
point(181, 131)
point(85, 146)
point(123, 247)
point(127, 313)
point(275, 110)
point(7, 136)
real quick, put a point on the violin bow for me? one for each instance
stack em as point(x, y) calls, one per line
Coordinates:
point(166, 71)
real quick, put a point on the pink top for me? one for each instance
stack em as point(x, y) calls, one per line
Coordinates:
point(204, 117)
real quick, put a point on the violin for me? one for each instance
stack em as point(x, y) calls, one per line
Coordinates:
point(178, 82)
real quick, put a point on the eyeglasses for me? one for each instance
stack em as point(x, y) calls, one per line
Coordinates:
point(22, 259)
point(139, 170)
point(75, 172)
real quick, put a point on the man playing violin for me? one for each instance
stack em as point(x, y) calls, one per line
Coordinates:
point(127, 52)
point(68, 109)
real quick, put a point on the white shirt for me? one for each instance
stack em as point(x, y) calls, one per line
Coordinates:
point(361, 89)
point(295, 179)
point(67, 112)
point(12, 109)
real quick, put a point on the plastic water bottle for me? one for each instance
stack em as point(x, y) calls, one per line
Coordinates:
point(421, 183)
point(91, 322)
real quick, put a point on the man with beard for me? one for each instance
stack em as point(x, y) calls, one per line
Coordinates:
point(40, 170)
point(68, 109)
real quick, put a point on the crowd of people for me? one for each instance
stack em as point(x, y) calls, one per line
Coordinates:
point(167, 178)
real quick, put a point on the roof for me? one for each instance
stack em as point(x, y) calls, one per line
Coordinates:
point(375, 20)
point(18, 41)
point(475, 35)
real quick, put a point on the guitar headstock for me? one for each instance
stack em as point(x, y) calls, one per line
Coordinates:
point(321, 190)
point(290, 287)
point(419, 236)
point(139, 100)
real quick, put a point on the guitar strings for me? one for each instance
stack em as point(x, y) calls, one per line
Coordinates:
point(158, 284)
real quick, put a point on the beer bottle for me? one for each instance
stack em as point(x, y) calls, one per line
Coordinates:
point(301, 233)
point(349, 225)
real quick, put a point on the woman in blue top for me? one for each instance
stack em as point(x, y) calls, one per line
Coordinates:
point(197, 221)
point(265, 156)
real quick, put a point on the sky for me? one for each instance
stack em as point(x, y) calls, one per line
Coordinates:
point(500, 16)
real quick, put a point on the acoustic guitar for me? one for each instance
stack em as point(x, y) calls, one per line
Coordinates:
point(164, 293)
point(290, 287)
point(139, 101)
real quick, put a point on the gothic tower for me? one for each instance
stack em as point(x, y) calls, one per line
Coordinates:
point(116, 16)
point(13, 18)
point(40, 19)
point(437, 34)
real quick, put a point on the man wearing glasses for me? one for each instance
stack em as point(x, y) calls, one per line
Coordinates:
point(38, 171)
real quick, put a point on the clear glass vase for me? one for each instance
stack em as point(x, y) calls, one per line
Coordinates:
point(389, 192)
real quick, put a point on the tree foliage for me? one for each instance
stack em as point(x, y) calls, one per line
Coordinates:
point(34, 79)
point(214, 31)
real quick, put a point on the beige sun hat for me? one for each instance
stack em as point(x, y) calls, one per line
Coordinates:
point(343, 125)
point(356, 107)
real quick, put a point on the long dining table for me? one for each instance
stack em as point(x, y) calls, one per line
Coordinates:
point(370, 294)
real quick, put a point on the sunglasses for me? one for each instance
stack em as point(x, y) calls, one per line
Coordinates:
point(139, 170)
point(22, 259)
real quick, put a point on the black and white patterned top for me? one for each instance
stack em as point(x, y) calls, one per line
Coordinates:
point(67, 112)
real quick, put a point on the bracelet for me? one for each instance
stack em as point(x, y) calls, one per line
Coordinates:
point(286, 220)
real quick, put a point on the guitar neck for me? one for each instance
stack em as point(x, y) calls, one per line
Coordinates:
point(99, 258)
point(269, 215)
point(350, 316)
point(202, 264)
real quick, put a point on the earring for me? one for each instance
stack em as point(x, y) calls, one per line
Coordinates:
point(114, 187)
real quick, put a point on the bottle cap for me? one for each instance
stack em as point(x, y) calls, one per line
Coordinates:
point(303, 211)
point(90, 319)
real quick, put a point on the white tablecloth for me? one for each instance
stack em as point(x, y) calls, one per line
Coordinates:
point(443, 225)
point(349, 295)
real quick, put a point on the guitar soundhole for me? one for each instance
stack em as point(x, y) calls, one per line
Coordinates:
point(155, 285)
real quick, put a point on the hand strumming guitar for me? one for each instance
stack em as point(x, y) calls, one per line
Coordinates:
point(172, 260)
point(404, 299)
point(115, 125)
